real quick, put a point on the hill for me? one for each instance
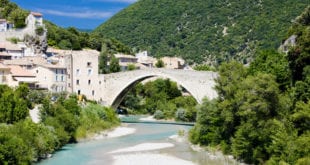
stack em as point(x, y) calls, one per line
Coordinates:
point(203, 30)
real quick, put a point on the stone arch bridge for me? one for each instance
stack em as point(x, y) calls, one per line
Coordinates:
point(198, 83)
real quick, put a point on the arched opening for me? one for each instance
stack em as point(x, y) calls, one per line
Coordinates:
point(122, 94)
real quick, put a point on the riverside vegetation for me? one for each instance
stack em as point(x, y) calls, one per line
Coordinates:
point(262, 114)
point(160, 98)
point(62, 121)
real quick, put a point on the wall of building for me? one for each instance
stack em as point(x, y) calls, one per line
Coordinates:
point(50, 78)
point(83, 75)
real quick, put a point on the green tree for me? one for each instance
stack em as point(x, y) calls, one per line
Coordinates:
point(160, 63)
point(103, 60)
point(18, 17)
point(114, 65)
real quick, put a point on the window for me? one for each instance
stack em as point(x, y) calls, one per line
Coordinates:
point(99, 82)
point(62, 78)
point(79, 92)
point(93, 92)
point(37, 71)
point(77, 71)
point(89, 71)
point(88, 64)
point(56, 78)
point(89, 81)
point(56, 71)
point(69, 85)
point(77, 82)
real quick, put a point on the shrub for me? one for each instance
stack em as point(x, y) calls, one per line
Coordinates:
point(39, 31)
point(180, 115)
point(159, 114)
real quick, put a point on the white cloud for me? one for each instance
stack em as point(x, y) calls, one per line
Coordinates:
point(81, 14)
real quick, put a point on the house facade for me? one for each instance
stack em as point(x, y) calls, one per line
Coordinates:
point(34, 20)
point(173, 62)
point(83, 77)
point(3, 25)
point(4, 74)
point(125, 60)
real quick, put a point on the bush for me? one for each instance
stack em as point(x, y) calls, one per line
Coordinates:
point(39, 31)
point(180, 115)
point(159, 114)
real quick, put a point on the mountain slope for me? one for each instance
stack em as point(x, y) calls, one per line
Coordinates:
point(203, 30)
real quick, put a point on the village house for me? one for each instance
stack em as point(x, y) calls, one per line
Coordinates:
point(4, 73)
point(145, 60)
point(173, 62)
point(125, 60)
point(34, 20)
point(18, 75)
point(51, 74)
point(82, 73)
point(3, 25)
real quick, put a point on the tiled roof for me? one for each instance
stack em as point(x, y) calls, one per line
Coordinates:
point(9, 46)
point(19, 71)
point(124, 56)
point(36, 14)
point(2, 66)
point(40, 61)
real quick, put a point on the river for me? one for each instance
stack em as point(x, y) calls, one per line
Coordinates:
point(97, 152)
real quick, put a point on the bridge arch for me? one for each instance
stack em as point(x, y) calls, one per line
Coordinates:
point(198, 84)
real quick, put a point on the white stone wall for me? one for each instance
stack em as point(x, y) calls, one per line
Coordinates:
point(3, 26)
point(51, 78)
point(83, 75)
point(31, 24)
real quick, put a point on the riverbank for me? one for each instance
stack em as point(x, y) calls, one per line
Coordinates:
point(115, 132)
point(145, 153)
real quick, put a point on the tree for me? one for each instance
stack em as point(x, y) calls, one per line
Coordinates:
point(131, 67)
point(114, 65)
point(18, 17)
point(272, 62)
point(160, 63)
point(103, 60)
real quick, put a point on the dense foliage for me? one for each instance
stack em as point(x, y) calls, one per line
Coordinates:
point(161, 98)
point(206, 30)
point(13, 13)
point(262, 114)
point(107, 61)
point(23, 141)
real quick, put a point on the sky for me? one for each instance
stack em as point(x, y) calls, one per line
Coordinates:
point(82, 14)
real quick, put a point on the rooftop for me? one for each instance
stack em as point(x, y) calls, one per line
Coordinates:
point(36, 14)
point(19, 71)
point(125, 56)
point(40, 61)
point(9, 46)
point(2, 66)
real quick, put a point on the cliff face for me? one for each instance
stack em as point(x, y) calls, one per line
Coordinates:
point(37, 42)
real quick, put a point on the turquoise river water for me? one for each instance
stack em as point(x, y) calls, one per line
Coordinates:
point(96, 152)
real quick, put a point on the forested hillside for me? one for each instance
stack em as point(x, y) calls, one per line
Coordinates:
point(13, 13)
point(203, 30)
point(262, 114)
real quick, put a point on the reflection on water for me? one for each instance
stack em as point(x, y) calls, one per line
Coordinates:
point(96, 151)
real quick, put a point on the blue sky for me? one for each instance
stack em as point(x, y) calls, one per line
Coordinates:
point(83, 14)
